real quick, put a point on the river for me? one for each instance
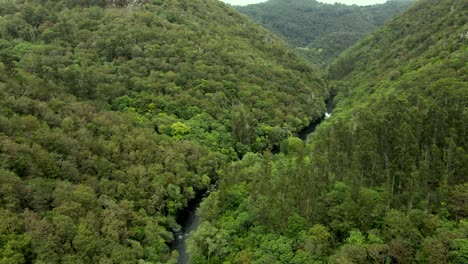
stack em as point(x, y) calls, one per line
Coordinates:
point(313, 125)
point(189, 220)
point(189, 224)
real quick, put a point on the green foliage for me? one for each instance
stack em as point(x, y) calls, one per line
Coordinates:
point(179, 129)
point(355, 238)
point(459, 254)
point(15, 245)
point(115, 114)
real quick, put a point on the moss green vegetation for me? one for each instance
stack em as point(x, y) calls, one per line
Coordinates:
point(384, 180)
point(113, 114)
point(322, 31)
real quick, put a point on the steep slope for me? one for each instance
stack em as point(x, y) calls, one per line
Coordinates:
point(384, 180)
point(322, 31)
point(114, 114)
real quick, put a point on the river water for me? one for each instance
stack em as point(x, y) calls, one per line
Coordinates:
point(189, 221)
point(189, 224)
point(312, 126)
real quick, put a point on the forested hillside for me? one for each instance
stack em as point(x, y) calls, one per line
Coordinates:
point(322, 31)
point(114, 114)
point(384, 180)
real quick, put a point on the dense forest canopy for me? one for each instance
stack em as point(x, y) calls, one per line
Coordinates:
point(384, 180)
point(322, 31)
point(114, 114)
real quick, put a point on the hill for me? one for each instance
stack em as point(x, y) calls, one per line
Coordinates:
point(383, 180)
point(114, 114)
point(322, 31)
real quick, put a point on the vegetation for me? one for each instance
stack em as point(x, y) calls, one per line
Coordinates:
point(384, 180)
point(322, 31)
point(114, 114)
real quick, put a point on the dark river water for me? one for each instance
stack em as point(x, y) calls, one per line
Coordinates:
point(189, 221)
point(190, 224)
point(311, 128)
point(304, 133)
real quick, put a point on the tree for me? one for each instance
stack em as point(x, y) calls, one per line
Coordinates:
point(243, 123)
point(459, 201)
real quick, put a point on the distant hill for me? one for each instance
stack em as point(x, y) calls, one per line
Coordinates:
point(322, 31)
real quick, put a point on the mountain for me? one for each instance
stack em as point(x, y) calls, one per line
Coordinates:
point(383, 180)
point(322, 31)
point(114, 114)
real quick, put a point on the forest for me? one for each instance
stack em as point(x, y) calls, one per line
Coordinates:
point(116, 114)
point(320, 31)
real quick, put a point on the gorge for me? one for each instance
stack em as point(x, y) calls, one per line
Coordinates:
point(189, 220)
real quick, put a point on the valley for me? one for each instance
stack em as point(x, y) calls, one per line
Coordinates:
point(319, 31)
point(181, 131)
point(190, 220)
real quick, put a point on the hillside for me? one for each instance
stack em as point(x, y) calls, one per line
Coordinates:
point(384, 180)
point(114, 114)
point(322, 31)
